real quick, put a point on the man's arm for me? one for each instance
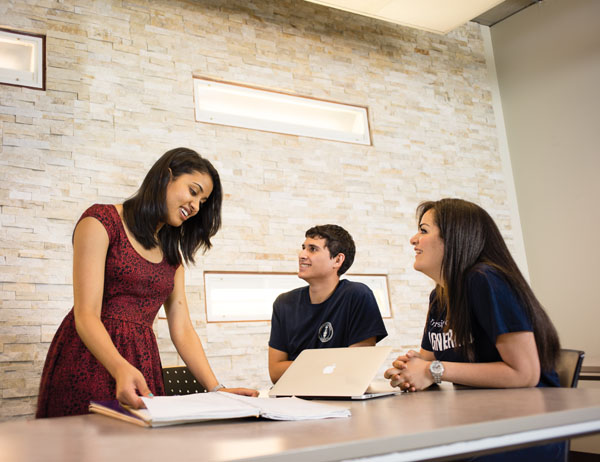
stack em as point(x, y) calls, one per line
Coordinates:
point(278, 363)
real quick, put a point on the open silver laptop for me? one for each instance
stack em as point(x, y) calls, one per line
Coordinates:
point(335, 373)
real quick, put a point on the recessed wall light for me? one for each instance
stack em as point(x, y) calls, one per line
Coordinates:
point(259, 109)
point(22, 59)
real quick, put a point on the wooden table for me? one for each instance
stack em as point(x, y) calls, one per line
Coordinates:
point(418, 426)
point(591, 365)
point(591, 372)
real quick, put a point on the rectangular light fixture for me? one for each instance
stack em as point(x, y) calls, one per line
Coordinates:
point(244, 296)
point(248, 107)
point(439, 16)
point(22, 59)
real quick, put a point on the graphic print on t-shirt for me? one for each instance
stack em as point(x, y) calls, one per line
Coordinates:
point(325, 332)
point(440, 340)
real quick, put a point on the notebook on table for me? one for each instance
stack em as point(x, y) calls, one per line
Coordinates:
point(348, 373)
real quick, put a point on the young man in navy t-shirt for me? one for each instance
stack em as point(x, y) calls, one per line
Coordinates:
point(328, 313)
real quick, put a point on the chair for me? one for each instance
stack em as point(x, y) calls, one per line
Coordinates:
point(569, 366)
point(180, 381)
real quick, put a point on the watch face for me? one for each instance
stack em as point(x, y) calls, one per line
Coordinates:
point(437, 367)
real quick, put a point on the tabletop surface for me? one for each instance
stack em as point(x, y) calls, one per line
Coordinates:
point(398, 423)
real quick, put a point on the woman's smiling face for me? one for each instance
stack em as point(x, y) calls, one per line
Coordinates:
point(185, 196)
point(429, 248)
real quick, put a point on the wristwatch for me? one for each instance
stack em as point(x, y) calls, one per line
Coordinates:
point(218, 387)
point(437, 369)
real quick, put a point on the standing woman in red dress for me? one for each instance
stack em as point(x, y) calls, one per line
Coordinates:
point(127, 262)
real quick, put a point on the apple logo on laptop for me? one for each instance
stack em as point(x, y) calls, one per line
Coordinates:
point(329, 369)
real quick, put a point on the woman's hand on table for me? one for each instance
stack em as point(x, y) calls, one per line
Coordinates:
point(409, 372)
point(241, 391)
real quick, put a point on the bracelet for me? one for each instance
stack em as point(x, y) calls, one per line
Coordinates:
point(218, 387)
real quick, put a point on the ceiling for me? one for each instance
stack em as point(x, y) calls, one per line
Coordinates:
point(439, 16)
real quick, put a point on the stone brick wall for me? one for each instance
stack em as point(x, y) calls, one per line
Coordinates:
point(119, 93)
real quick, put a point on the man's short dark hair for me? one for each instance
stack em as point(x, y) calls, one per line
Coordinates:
point(337, 240)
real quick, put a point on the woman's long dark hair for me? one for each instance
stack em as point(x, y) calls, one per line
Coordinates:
point(472, 239)
point(147, 208)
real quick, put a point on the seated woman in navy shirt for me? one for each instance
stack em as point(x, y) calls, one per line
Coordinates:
point(485, 327)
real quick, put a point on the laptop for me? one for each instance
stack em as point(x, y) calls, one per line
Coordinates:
point(345, 373)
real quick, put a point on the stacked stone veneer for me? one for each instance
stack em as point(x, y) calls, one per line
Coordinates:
point(119, 93)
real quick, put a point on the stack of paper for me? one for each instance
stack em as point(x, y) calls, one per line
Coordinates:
point(292, 408)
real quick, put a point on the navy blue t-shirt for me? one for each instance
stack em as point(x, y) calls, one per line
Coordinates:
point(350, 315)
point(495, 310)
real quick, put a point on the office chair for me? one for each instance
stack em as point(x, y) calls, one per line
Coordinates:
point(180, 381)
point(569, 366)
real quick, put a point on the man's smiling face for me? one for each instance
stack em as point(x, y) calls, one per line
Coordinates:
point(314, 260)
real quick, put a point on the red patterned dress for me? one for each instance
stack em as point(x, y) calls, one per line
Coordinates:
point(134, 290)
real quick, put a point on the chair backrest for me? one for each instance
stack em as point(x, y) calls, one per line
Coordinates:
point(180, 381)
point(569, 366)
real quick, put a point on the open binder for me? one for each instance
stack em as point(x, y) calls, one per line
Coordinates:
point(174, 410)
